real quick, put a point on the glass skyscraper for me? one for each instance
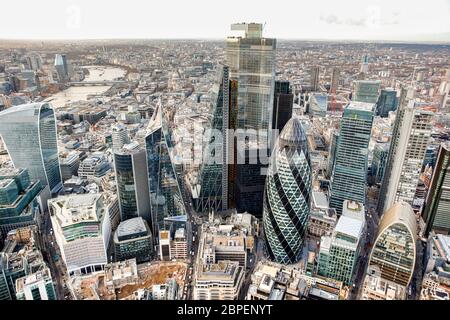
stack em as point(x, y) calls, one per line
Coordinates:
point(348, 181)
point(367, 91)
point(130, 164)
point(252, 63)
point(287, 194)
point(437, 207)
point(166, 197)
point(214, 170)
point(29, 133)
point(386, 102)
point(393, 255)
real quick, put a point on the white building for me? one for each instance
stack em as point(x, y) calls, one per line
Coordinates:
point(410, 137)
point(82, 230)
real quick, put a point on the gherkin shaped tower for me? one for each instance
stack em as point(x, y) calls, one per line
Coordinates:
point(287, 194)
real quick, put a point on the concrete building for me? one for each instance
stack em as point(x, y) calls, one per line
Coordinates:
point(218, 281)
point(119, 136)
point(410, 137)
point(82, 230)
point(322, 219)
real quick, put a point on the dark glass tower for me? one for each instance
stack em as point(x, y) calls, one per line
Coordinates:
point(283, 102)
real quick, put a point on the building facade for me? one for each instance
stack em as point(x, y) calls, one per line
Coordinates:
point(287, 194)
point(349, 178)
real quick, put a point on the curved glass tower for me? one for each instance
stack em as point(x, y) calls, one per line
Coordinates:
point(29, 133)
point(394, 252)
point(287, 194)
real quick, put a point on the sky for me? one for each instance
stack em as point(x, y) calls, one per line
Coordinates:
point(407, 20)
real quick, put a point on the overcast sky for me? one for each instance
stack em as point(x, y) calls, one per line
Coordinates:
point(294, 19)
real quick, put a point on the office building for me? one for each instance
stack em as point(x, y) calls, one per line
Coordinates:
point(283, 102)
point(437, 207)
point(315, 78)
point(36, 286)
point(20, 203)
point(366, 91)
point(213, 193)
point(334, 85)
point(379, 159)
point(251, 59)
point(94, 167)
point(339, 253)
point(332, 152)
point(348, 181)
point(387, 102)
point(273, 281)
point(19, 258)
point(179, 245)
point(393, 256)
point(365, 64)
point(130, 165)
point(165, 191)
point(119, 136)
point(133, 239)
point(218, 281)
point(410, 137)
point(62, 68)
point(318, 104)
point(322, 219)
point(287, 194)
point(29, 134)
point(82, 230)
point(69, 165)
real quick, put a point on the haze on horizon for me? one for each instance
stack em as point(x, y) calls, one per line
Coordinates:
point(401, 20)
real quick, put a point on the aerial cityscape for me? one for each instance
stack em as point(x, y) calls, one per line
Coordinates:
point(250, 167)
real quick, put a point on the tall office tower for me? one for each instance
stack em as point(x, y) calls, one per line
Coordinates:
point(82, 230)
point(365, 64)
point(380, 155)
point(130, 165)
point(339, 253)
point(318, 104)
point(287, 195)
point(335, 75)
point(166, 199)
point(61, 67)
point(437, 207)
point(213, 194)
point(119, 136)
point(410, 137)
point(348, 181)
point(36, 286)
point(315, 78)
point(283, 103)
point(251, 59)
point(367, 91)
point(393, 256)
point(387, 101)
point(19, 200)
point(332, 152)
point(29, 134)
point(133, 239)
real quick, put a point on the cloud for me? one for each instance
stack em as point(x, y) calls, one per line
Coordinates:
point(334, 19)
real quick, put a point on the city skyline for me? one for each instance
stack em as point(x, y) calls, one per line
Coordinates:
point(378, 20)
